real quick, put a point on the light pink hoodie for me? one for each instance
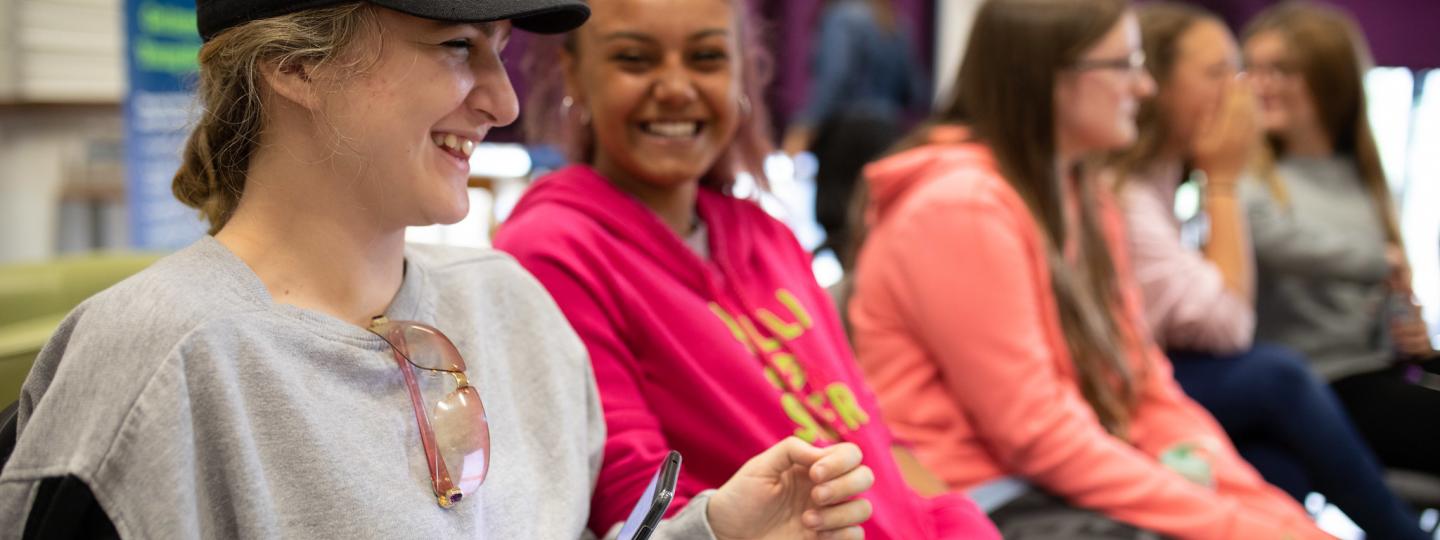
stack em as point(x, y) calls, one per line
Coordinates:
point(958, 332)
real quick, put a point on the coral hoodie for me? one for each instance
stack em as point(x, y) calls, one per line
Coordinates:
point(719, 359)
point(957, 330)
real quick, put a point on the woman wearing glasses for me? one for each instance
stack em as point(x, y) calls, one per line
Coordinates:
point(704, 323)
point(265, 383)
point(1198, 292)
point(1003, 337)
point(1333, 275)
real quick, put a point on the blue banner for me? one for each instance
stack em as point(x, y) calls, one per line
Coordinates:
point(161, 52)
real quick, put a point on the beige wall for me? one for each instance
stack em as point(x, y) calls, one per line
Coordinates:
point(953, 32)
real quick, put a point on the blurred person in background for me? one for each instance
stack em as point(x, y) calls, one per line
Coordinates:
point(866, 80)
point(708, 332)
point(290, 375)
point(1199, 298)
point(995, 314)
point(1334, 282)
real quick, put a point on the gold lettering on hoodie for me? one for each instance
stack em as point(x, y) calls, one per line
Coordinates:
point(785, 372)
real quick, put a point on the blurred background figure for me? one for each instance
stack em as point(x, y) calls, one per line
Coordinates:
point(1334, 281)
point(866, 82)
point(1197, 275)
point(1002, 336)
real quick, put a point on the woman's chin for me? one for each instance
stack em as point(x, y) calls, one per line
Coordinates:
point(448, 215)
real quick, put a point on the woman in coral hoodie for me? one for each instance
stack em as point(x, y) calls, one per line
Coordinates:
point(996, 319)
point(707, 331)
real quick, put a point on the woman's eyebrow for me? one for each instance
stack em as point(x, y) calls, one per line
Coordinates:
point(637, 36)
point(629, 35)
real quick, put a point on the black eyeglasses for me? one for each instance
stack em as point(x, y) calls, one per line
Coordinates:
point(1133, 63)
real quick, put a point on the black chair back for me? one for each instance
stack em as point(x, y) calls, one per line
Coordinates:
point(8, 419)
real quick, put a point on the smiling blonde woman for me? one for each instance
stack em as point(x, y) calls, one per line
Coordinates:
point(302, 373)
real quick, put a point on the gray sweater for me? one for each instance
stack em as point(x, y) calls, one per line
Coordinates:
point(1321, 266)
point(195, 407)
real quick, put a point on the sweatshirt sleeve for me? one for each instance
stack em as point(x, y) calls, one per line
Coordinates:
point(981, 307)
point(1186, 302)
point(634, 444)
point(1287, 245)
point(692, 523)
point(1167, 416)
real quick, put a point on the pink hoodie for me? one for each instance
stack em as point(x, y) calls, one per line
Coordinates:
point(673, 337)
point(958, 331)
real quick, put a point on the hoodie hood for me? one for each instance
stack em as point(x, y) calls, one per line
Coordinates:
point(748, 256)
point(581, 188)
point(948, 148)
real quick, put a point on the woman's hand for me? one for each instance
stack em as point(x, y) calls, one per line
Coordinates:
point(1409, 331)
point(1228, 135)
point(794, 490)
point(1412, 337)
point(1407, 327)
point(1399, 278)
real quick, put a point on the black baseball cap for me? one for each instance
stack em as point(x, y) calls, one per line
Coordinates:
point(539, 16)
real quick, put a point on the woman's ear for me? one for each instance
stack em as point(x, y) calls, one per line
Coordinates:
point(293, 81)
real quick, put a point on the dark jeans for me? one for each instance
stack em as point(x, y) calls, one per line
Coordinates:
point(1400, 419)
point(1289, 424)
point(1039, 516)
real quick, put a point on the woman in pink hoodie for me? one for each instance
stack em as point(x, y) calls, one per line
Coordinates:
point(707, 331)
point(993, 311)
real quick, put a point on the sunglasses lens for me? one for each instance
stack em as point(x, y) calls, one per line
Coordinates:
point(430, 349)
point(458, 430)
point(463, 436)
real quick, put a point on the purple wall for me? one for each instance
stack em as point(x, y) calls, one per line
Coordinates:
point(1401, 32)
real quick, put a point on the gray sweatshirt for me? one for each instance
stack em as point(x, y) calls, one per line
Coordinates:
point(1321, 266)
point(193, 406)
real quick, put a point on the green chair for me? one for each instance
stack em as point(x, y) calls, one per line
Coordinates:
point(34, 298)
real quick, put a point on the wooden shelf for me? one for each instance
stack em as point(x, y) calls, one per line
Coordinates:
point(487, 184)
point(10, 105)
point(98, 193)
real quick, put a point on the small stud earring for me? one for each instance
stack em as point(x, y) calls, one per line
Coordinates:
point(569, 103)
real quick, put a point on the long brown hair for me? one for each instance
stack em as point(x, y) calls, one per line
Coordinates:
point(217, 156)
point(548, 120)
point(1162, 25)
point(1005, 95)
point(1330, 52)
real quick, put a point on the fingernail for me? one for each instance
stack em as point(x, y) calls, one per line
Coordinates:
point(822, 494)
point(817, 472)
